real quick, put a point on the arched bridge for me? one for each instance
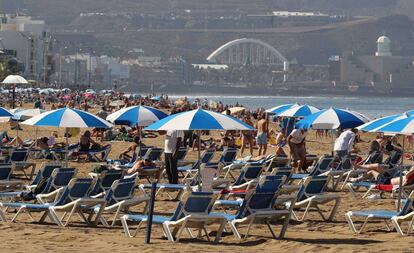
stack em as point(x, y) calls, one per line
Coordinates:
point(248, 51)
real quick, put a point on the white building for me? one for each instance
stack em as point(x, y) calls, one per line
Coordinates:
point(30, 41)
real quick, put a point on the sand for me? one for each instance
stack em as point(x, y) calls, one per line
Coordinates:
point(313, 235)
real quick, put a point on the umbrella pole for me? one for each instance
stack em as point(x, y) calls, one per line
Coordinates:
point(199, 159)
point(401, 176)
point(36, 138)
point(67, 147)
point(140, 141)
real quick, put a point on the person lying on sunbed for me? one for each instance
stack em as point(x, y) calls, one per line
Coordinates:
point(128, 153)
point(393, 183)
point(142, 167)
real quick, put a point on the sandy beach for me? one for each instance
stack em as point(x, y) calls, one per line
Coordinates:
point(313, 235)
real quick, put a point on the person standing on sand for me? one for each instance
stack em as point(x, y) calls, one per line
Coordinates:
point(173, 141)
point(262, 133)
point(296, 142)
point(247, 137)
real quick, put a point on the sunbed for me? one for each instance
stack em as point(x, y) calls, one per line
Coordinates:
point(312, 195)
point(396, 217)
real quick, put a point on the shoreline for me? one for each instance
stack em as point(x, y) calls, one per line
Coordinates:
point(268, 91)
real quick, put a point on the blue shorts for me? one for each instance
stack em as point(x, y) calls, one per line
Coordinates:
point(261, 139)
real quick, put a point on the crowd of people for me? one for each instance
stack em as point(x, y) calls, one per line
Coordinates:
point(287, 141)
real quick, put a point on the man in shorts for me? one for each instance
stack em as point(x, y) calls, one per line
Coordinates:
point(262, 133)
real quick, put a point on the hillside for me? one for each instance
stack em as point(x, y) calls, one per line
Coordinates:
point(63, 12)
point(310, 45)
point(307, 46)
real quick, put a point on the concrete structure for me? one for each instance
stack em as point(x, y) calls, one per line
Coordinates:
point(382, 71)
point(85, 69)
point(298, 14)
point(383, 46)
point(31, 42)
point(247, 51)
point(21, 23)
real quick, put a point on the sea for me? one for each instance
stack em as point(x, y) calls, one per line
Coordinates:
point(372, 107)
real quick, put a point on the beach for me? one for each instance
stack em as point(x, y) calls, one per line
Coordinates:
point(312, 235)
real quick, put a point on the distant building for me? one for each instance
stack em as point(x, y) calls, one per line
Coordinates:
point(22, 23)
point(298, 14)
point(85, 69)
point(381, 71)
point(335, 68)
point(31, 42)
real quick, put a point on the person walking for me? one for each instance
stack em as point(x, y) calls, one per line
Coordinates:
point(344, 143)
point(296, 142)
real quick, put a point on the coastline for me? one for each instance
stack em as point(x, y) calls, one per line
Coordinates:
point(269, 91)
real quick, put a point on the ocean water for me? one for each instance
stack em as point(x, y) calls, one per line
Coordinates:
point(373, 107)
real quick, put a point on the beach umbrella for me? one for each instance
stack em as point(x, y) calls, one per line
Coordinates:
point(90, 91)
point(24, 114)
point(89, 95)
point(403, 126)
point(67, 97)
point(332, 118)
point(117, 103)
point(281, 108)
point(373, 125)
point(67, 118)
point(136, 115)
point(235, 110)
point(179, 102)
point(199, 120)
point(5, 113)
point(299, 111)
point(15, 79)
point(44, 92)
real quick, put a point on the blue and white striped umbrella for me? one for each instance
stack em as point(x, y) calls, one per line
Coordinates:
point(400, 126)
point(24, 114)
point(373, 125)
point(281, 108)
point(136, 115)
point(332, 118)
point(199, 119)
point(67, 117)
point(299, 111)
point(5, 113)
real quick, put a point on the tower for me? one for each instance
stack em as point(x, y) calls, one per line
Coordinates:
point(383, 46)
